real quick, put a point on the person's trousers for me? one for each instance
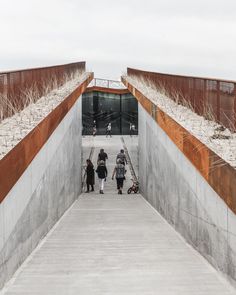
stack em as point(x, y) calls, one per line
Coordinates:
point(91, 186)
point(101, 182)
point(108, 133)
point(119, 182)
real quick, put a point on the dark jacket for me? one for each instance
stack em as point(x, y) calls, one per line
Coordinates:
point(102, 171)
point(90, 174)
point(122, 157)
point(102, 156)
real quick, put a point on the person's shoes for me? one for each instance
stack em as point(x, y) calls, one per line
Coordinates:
point(87, 191)
point(102, 192)
point(121, 192)
point(92, 190)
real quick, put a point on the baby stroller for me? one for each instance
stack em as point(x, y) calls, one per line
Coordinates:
point(134, 188)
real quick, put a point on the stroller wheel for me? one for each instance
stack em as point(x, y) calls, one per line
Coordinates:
point(136, 190)
point(129, 190)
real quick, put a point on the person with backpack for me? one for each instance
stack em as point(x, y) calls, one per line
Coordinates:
point(122, 157)
point(102, 174)
point(90, 175)
point(119, 172)
point(102, 156)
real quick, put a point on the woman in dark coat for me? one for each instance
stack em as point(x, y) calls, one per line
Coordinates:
point(90, 175)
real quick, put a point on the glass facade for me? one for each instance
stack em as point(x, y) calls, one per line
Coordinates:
point(121, 110)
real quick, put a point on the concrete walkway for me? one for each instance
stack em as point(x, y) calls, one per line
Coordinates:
point(115, 244)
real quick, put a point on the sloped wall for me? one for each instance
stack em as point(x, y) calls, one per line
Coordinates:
point(173, 186)
point(47, 188)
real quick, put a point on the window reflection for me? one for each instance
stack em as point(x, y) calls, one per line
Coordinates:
point(119, 109)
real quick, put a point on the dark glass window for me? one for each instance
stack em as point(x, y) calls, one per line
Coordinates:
point(121, 110)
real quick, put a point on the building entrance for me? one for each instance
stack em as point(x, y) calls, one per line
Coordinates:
point(99, 108)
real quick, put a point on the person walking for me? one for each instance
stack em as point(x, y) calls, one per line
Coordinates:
point(102, 156)
point(119, 172)
point(131, 129)
point(94, 128)
point(102, 174)
point(122, 157)
point(108, 131)
point(90, 175)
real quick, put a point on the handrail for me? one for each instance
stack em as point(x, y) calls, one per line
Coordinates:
point(105, 83)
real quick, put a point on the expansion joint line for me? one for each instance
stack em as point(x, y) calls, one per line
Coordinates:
point(133, 174)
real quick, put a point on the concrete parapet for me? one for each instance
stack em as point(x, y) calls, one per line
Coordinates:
point(179, 178)
point(213, 168)
point(17, 160)
point(40, 179)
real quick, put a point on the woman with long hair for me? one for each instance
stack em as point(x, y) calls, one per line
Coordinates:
point(90, 175)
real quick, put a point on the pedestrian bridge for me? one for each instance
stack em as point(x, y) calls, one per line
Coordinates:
point(176, 237)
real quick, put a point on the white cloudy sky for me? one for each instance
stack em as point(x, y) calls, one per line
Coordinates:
point(193, 37)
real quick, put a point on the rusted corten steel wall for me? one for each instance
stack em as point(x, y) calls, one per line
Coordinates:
point(211, 98)
point(13, 165)
point(14, 84)
point(218, 173)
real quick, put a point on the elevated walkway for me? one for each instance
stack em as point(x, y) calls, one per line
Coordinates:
point(114, 244)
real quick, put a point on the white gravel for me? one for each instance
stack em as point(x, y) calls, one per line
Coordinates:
point(15, 128)
point(197, 125)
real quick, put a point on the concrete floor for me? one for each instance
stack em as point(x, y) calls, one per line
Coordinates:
point(115, 244)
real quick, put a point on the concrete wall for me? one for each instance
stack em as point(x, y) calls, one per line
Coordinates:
point(132, 146)
point(177, 190)
point(47, 188)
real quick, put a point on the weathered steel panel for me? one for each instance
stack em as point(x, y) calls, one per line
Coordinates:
point(212, 98)
point(14, 84)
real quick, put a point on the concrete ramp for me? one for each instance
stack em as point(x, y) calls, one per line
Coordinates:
point(115, 244)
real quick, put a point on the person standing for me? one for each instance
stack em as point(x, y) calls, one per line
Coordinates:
point(108, 131)
point(122, 157)
point(119, 172)
point(90, 175)
point(102, 156)
point(102, 174)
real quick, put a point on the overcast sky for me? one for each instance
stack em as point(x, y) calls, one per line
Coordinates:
point(175, 36)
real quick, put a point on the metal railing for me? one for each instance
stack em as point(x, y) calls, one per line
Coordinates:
point(15, 84)
point(212, 98)
point(106, 84)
